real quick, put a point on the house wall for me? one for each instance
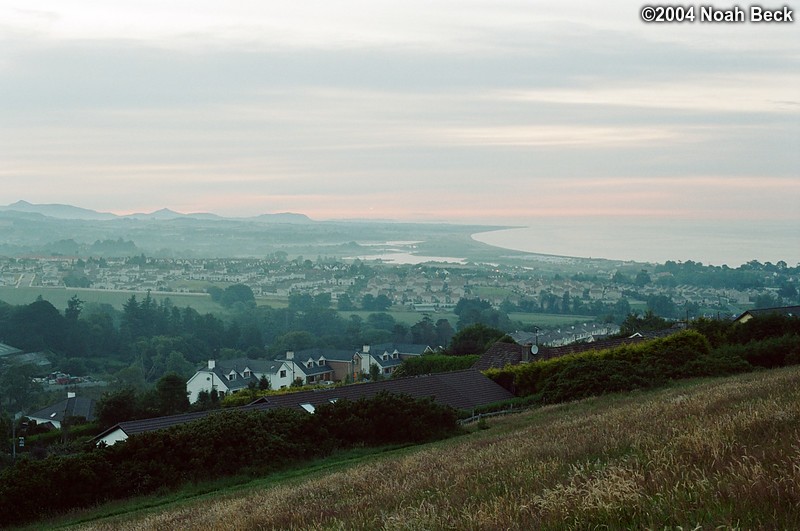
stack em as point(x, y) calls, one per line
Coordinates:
point(341, 369)
point(114, 437)
point(56, 424)
point(202, 381)
point(275, 380)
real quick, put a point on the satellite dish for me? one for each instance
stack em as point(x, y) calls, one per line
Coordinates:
point(534, 349)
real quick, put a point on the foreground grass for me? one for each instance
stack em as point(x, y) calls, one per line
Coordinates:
point(722, 452)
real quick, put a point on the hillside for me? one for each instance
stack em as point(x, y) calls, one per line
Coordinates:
point(721, 452)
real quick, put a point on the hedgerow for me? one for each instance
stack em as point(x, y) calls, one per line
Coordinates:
point(639, 366)
point(223, 444)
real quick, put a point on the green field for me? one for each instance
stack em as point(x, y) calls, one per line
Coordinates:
point(703, 454)
point(548, 320)
point(58, 297)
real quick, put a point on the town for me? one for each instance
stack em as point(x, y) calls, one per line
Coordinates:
point(575, 287)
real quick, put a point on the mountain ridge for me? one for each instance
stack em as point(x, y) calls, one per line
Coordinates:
point(71, 212)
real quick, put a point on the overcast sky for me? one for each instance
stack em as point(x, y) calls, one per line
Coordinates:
point(467, 111)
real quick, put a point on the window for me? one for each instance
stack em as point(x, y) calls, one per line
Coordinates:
point(385, 357)
point(308, 407)
point(283, 373)
point(310, 365)
point(321, 363)
point(246, 374)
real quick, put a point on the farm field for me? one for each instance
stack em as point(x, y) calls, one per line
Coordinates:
point(201, 302)
point(714, 453)
point(58, 297)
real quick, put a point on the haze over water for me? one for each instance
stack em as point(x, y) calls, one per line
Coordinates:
point(730, 243)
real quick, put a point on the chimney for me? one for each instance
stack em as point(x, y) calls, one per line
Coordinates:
point(70, 394)
point(526, 352)
point(366, 349)
point(211, 364)
point(290, 354)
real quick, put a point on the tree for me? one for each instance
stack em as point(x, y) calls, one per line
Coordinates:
point(238, 293)
point(73, 310)
point(474, 339)
point(172, 395)
point(381, 303)
point(444, 332)
point(368, 302)
point(345, 303)
point(424, 331)
point(117, 407)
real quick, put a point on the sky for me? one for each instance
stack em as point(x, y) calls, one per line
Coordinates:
point(468, 111)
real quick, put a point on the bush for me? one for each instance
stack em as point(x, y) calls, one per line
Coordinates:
point(433, 363)
point(221, 444)
point(624, 368)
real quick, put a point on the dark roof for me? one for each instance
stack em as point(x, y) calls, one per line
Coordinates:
point(7, 350)
point(315, 370)
point(788, 311)
point(465, 389)
point(501, 354)
point(240, 364)
point(327, 353)
point(402, 348)
point(69, 407)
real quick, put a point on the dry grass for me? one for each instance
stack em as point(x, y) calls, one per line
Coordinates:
point(722, 454)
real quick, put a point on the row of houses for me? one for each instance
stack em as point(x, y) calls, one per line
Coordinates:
point(462, 390)
point(307, 367)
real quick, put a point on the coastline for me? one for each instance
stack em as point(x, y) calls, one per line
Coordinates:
point(717, 242)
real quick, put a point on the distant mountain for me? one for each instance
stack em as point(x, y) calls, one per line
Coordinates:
point(58, 211)
point(166, 214)
point(283, 217)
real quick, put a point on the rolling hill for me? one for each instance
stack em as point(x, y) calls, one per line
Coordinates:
point(704, 453)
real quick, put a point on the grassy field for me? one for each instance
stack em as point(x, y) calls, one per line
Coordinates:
point(58, 297)
point(721, 453)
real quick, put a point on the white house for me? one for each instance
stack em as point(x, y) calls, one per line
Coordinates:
point(388, 356)
point(230, 376)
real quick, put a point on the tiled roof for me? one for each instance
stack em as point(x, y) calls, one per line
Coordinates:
point(465, 389)
point(8, 350)
point(501, 354)
point(402, 348)
point(327, 353)
point(70, 407)
point(788, 311)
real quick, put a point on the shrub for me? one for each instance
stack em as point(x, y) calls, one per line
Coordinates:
point(221, 444)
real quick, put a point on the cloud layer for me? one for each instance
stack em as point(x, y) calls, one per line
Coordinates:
point(463, 111)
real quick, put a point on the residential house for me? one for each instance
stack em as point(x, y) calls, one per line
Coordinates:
point(388, 356)
point(72, 407)
point(786, 311)
point(342, 363)
point(309, 366)
point(231, 376)
point(463, 390)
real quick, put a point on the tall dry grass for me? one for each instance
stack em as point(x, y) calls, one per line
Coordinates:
point(724, 453)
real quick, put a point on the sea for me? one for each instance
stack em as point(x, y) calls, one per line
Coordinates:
point(729, 242)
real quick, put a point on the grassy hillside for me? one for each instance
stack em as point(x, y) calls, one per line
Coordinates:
point(722, 452)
